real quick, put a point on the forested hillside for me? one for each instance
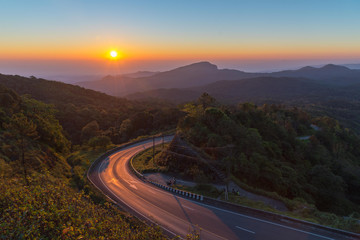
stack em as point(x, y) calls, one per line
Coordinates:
point(280, 149)
point(30, 135)
point(85, 113)
point(339, 102)
point(44, 193)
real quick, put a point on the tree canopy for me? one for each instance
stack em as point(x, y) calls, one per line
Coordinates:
point(280, 149)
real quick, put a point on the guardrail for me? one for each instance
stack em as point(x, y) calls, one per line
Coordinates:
point(190, 195)
point(133, 169)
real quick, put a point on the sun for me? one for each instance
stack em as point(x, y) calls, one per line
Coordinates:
point(113, 54)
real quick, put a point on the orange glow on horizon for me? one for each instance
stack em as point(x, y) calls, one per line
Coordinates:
point(133, 52)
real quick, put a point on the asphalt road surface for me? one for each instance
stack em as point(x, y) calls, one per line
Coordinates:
point(179, 216)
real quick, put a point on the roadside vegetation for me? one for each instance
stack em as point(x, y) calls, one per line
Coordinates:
point(144, 161)
point(49, 209)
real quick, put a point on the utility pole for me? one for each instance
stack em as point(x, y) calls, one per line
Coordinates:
point(153, 148)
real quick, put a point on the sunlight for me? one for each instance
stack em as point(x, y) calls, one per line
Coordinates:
point(113, 54)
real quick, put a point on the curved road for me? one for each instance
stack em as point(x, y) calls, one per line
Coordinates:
point(179, 216)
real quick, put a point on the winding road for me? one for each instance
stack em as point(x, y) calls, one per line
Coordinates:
point(179, 216)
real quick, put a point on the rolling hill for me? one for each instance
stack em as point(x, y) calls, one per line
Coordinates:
point(183, 77)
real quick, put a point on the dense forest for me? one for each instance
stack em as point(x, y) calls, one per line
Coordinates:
point(280, 149)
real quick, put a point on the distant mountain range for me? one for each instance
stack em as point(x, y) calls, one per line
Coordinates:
point(188, 76)
point(331, 90)
point(352, 65)
point(197, 77)
point(307, 85)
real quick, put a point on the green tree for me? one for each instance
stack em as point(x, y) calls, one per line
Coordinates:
point(24, 130)
point(126, 128)
point(90, 130)
point(100, 141)
point(205, 100)
point(48, 127)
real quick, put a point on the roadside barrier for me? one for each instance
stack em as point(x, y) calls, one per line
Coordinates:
point(179, 192)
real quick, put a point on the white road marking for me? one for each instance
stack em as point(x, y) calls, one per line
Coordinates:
point(117, 184)
point(131, 185)
point(244, 229)
point(188, 207)
point(261, 220)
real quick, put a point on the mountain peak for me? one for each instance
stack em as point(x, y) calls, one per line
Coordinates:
point(200, 65)
point(306, 68)
point(334, 67)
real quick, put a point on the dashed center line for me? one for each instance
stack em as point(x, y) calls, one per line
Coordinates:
point(244, 229)
point(188, 207)
point(131, 185)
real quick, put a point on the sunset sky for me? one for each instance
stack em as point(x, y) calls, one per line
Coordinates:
point(75, 37)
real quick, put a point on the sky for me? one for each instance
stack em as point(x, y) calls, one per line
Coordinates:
point(55, 37)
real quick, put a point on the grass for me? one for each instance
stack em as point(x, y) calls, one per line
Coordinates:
point(207, 190)
point(144, 162)
point(80, 161)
